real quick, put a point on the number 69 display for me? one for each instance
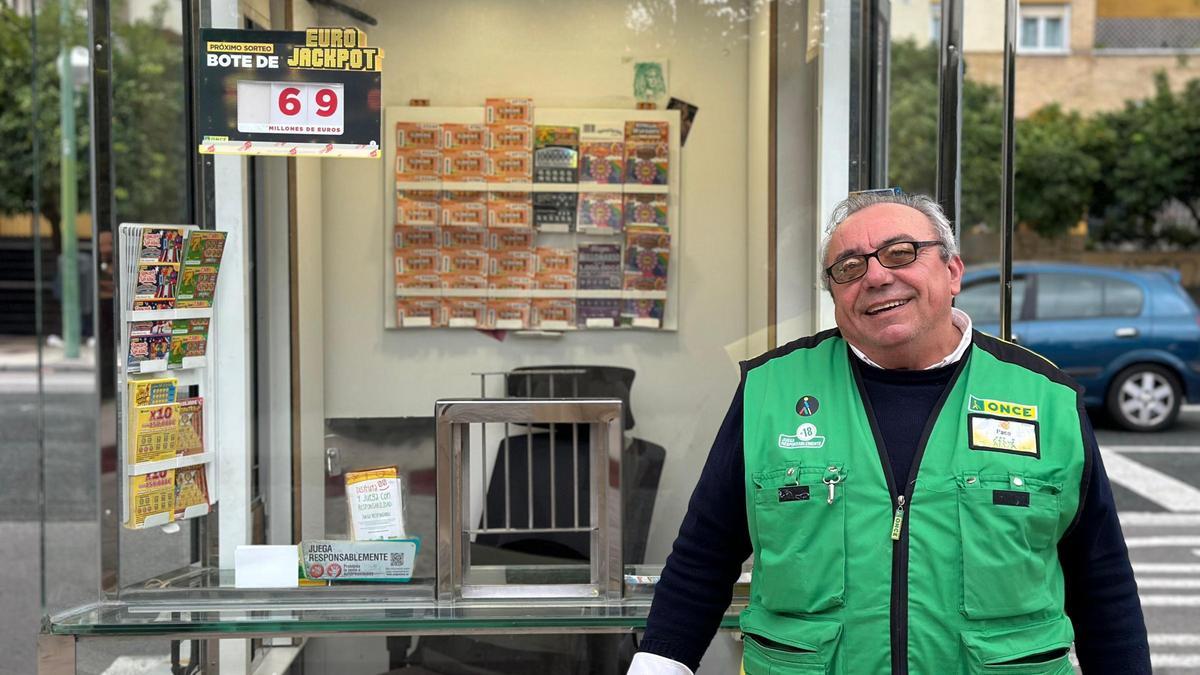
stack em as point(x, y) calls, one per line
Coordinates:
point(290, 108)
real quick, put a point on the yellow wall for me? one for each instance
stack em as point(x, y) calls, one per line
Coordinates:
point(21, 225)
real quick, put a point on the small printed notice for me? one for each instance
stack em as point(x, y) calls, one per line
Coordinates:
point(375, 501)
point(358, 560)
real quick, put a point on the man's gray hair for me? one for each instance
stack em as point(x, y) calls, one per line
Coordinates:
point(922, 203)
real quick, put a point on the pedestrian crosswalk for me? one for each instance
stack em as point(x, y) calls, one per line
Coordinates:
point(1164, 548)
point(1167, 570)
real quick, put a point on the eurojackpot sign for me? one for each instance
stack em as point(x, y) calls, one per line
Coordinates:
point(306, 93)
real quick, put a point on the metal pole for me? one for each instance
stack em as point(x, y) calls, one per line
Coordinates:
point(68, 263)
point(949, 166)
point(108, 302)
point(1008, 190)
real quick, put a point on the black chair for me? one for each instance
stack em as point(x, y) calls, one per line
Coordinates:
point(641, 468)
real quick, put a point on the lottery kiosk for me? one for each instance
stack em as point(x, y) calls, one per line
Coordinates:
point(426, 382)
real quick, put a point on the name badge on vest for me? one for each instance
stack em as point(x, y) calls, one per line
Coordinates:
point(793, 493)
point(1002, 434)
point(1003, 426)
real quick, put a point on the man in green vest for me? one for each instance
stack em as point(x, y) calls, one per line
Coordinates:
point(918, 497)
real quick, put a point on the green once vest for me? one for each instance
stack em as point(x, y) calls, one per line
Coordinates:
point(965, 576)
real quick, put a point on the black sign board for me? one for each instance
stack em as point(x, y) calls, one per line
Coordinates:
point(306, 93)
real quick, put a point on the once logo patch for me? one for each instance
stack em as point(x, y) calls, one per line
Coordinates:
point(1002, 434)
point(807, 406)
point(806, 437)
point(1002, 408)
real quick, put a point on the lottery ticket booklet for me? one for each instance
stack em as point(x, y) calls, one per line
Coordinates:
point(151, 256)
point(201, 264)
point(191, 489)
point(152, 494)
point(151, 437)
point(189, 340)
point(149, 346)
point(191, 426)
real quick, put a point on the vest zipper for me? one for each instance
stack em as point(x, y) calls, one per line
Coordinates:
point(900, 572)
point(899, 604)
point(903, 494)
point(899, 590)
point(898, 519)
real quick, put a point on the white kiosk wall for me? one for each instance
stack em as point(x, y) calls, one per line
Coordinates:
point(569, 54)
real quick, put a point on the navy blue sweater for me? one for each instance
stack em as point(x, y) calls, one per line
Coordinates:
point(697, 583)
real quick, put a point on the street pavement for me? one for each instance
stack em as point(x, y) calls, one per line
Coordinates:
point(1156, 481)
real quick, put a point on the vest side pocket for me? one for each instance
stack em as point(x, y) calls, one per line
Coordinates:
point(1008, 549)
point(1034, 649)
point(800, 567)
point(795, 647)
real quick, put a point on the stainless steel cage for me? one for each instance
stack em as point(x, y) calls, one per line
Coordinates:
point(457, 472)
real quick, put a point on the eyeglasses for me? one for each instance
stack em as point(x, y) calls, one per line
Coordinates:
point(898, 254)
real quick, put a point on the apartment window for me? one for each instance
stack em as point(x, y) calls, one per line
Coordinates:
point(1044, 29)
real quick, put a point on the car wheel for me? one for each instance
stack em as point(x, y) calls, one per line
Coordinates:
point(1145, 397)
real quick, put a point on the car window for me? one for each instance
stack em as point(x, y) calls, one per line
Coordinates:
point(1122, 298)
point(1172, 303)
point(1083, 296)
point(981, 300)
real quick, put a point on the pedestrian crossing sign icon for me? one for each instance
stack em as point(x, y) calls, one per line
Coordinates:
point(807, 406)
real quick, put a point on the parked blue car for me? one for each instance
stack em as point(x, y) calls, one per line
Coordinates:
point(1131, 338)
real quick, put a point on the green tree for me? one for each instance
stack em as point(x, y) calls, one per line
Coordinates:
point(1055, 171)
point(1053, 174)
point(1148, 156)
point(21, 68)
point(912, 117)
point(151, 143)
point(982, 138)
point(912, 132)
point(150, 139)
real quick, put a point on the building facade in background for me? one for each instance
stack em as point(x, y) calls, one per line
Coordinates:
point(1086, 55)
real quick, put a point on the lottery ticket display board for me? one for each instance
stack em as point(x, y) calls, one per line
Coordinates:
point(292, 93)
point(516, 217)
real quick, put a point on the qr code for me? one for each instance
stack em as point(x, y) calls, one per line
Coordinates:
point(397, 558)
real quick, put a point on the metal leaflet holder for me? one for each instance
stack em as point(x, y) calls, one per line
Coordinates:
point(456, 473)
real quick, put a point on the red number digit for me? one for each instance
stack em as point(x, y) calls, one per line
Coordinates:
point(289, 101)
point(327, 102)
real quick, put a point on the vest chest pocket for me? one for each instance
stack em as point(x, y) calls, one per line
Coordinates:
point(800, 564)
point(1008, 526)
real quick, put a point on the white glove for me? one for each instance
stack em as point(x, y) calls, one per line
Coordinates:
point(645, 663)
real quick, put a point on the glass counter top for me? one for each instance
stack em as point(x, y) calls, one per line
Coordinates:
point(203, 602)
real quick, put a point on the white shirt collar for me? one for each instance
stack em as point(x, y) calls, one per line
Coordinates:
point(960, 320)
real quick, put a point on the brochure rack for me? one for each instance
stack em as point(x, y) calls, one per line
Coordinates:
point(193, 379)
